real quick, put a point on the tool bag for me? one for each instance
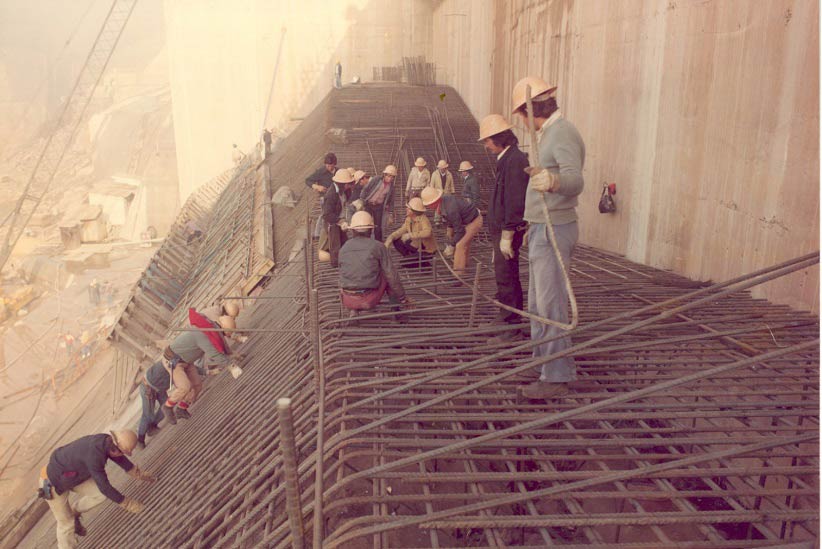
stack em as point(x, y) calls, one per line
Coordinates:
point(606, 200)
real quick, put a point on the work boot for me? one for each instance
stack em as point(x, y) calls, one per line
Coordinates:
point(183, 414)
point(169, 415)
point(544, 390)
point(141, 443)
point(79, 529)
point(509, 336)
point(153, 430)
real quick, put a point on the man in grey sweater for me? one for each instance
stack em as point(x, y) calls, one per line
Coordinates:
point(561, 155)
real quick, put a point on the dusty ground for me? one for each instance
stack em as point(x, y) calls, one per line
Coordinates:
point(35, 418)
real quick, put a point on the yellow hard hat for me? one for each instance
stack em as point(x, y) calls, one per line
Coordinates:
point(231, 307)
point(416, 205)
point(420, 162)
point(361, 221)
point(429, 195)
point(442, 164)
point(125, 440)
point(227, 322)
point(465, 166)
point(390, 170)
point(492, 125)
point(538, 87)
point(343, 176)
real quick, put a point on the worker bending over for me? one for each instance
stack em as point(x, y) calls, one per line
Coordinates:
point(80, 468)
point(181, 354)
point(366, 270)
point(462, 218)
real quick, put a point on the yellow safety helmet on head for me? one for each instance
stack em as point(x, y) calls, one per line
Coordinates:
point(539, 87)
point(125, 440)
point(362, 221)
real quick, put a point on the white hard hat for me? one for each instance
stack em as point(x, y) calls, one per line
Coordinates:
point(231, 307)
point(343, 176)
point(429, 195)
point(420, 162)
point(361, 221)
point(442, 164)
point(492, 125)
point(125, 440)
point(538, 88)
point(227, 322)
point(390, 169)
point(352, 170)
point(416, 205)
point(465, 166)
point(359, 174)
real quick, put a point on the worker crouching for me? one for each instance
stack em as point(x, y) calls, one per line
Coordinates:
point(462, 219)
point(179, 358)
point(415, 237)
point(80, 468)
point(366, 270)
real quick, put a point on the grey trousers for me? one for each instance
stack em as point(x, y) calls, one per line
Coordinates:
point(548, 298)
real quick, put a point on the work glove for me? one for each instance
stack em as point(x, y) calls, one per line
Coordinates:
point(542, 180)
point(317, 187)
point(358, 204)
point(132, 505)
point(506, 244)
point(406, 237)
point(235, 370)
point(213, 371)
point(449, 251)
point(342, 225)
point(388, 242)
point(391, 219)
point(136, 473)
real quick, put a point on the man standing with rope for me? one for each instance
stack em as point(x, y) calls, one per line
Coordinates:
point(551, 198)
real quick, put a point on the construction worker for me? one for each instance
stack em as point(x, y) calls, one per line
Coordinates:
point(506, 225)
point(236, 155)
point(378, 199)
point(320, 180)
point(334, 206)
point(418, 178)
point(181, 354)
point(366, 270)
point(338, 75)
point(557, 181)
point(266, 142)
point(463, 221)
point(153, 393)
point(442, 178)
point(80, 468)
point(470, 185)
point(354, 203)
point(415, 237)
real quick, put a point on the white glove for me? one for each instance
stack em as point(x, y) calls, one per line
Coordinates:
point(235, 370)
point(342, 225)
point(449, 251)
point(542, 180)
point(506, 244)
point(132, 505)
point(358, 204)
point(406, 237)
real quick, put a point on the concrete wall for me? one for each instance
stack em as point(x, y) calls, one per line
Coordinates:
point(704, 113)
point(223, 53)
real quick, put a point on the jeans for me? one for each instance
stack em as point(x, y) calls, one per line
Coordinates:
point(150, 416)
point(548, 297)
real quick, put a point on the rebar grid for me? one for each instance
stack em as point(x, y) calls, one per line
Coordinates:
point(426, 442)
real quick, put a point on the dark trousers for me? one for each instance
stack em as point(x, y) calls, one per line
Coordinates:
point(152, 412)
point(376, 212)
point(407, 250)
point(336, 238)
point(506, 271)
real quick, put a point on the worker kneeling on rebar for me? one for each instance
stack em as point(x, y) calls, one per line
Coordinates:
point(207, 342)
point(80, 468)
point(366, 270)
